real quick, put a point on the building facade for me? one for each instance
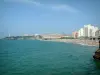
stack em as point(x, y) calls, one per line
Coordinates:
point(88, 31)
point(52, 36)
point(81, 32)
point(75, 34)
point(97, 33)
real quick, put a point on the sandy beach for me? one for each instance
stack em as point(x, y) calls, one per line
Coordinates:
point(77, 41)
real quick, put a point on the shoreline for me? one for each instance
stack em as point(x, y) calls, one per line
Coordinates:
point(76, 41)
point(73, 41)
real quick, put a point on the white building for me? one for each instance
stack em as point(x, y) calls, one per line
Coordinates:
point(87, 31)
point(95, 30)
point(81, 32)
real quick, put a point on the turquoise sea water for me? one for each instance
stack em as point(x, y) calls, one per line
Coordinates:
point(32, 57)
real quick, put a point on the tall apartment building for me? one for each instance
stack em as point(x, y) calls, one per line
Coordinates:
point(87, 31)
point(81, 32)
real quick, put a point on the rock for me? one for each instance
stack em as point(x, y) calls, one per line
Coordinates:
point(97, 55)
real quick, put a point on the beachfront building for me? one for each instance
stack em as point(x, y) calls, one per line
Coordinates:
point(51, 36)
point(55, 36)
point(87, 31)
point(75, 34)
point(97, 33)
point(81, 32)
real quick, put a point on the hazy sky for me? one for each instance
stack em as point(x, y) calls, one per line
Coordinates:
point(19, 17)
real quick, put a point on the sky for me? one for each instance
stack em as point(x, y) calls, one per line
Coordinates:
point(19, 17)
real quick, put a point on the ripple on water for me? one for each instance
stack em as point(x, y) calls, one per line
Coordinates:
point(28, 57)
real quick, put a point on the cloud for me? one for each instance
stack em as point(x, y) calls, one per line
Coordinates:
point(36, 3)
point(25, 1)
point(55, 7)
point(63, 7)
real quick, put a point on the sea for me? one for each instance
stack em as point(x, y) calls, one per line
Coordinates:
point(35, 57)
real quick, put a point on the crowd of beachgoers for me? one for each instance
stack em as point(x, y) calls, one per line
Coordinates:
point(77, 41)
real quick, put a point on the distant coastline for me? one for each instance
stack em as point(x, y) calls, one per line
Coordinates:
point(87, 42)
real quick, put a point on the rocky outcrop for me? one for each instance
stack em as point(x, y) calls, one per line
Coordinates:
point(97, 55)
